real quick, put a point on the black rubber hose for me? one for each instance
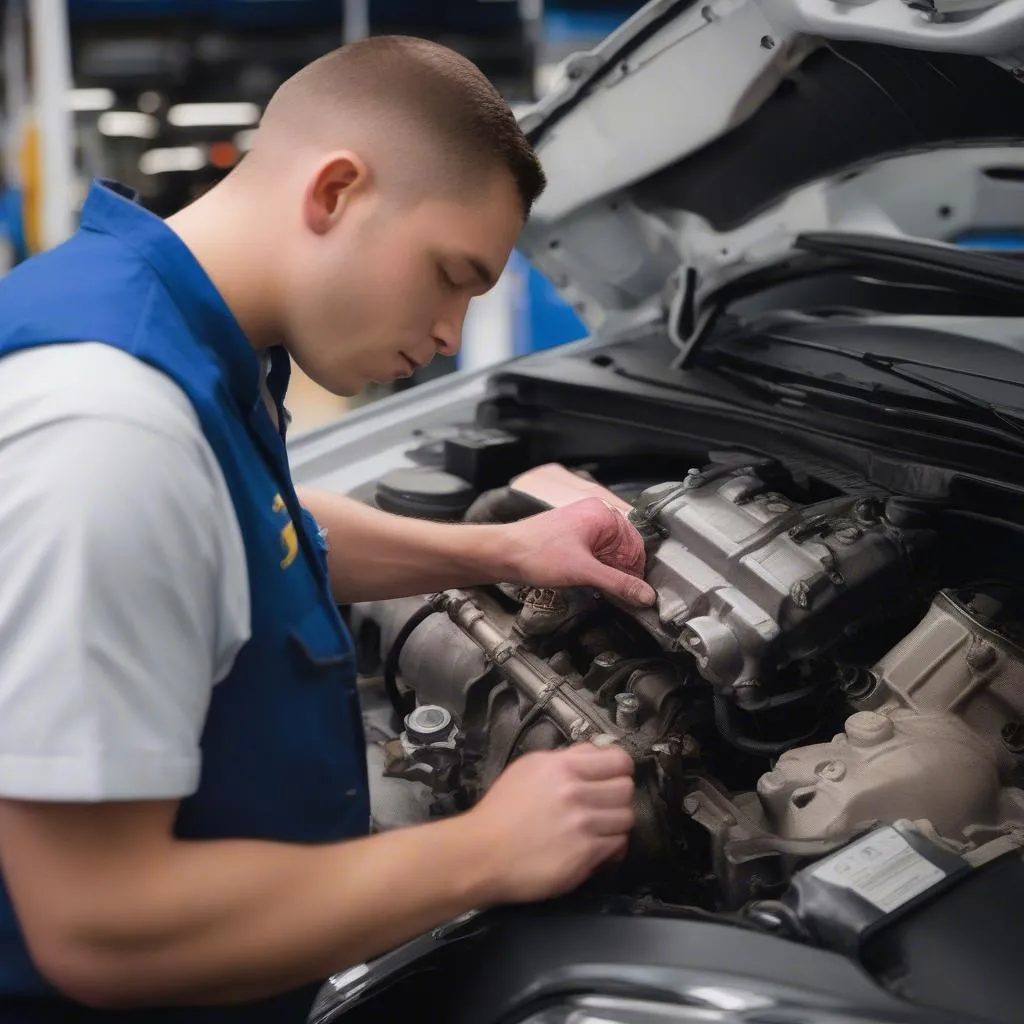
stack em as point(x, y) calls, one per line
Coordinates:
point(529, 719)
point(729, 731)
point(502, 505)
point(402, 706)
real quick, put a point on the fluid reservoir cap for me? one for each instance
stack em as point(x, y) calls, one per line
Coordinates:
point(868, 728)
point(425, 493)
point(428, 723)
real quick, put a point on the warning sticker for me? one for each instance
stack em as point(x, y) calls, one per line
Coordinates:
point(883, 868)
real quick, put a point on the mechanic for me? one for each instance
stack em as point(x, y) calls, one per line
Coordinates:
point(183, 790)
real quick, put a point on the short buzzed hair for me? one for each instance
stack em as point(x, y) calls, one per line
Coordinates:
point(411, 84)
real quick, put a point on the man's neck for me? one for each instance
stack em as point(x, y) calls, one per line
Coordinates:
point(231, 246)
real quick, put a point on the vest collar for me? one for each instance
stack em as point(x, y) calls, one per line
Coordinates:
point(112, 208)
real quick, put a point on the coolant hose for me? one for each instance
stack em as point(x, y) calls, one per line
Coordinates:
point(725, 722)
point(502, 505)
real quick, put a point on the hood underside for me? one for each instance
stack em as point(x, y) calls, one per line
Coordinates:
point(707, 136)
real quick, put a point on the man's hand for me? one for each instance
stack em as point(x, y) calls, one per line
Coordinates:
point(117, 912)
point(552, 818)
point(583, 544)
point(375, 556)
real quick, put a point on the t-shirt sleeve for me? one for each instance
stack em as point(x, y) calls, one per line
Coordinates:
point(121, 606)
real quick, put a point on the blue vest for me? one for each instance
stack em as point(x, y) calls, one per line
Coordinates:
point(283, 755)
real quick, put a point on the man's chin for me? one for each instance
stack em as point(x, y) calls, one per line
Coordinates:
point(390, 378)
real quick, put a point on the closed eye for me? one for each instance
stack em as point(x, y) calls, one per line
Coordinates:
point(446, 279)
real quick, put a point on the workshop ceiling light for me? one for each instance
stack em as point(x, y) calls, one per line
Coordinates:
point(172, 158)
point(92, 99)
point(243, 139)
point(127, 124)
point(194, 115)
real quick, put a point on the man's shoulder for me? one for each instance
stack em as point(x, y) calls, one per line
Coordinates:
point(51, 383)
point(112, 434)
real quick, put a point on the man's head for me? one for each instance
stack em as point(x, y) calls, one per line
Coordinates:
point(404, 181)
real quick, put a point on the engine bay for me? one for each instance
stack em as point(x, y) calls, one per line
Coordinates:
point(820, 661)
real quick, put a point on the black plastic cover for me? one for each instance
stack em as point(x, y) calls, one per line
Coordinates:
point(961, 952)
point(841, 899)
point(501, 965)
point(425, 493)
point(487, 458)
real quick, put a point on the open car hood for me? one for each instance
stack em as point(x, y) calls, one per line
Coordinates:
point(700, 139)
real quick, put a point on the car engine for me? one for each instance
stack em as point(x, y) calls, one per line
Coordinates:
point(803, 677)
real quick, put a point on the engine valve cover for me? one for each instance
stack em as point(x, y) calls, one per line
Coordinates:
point(748, 581)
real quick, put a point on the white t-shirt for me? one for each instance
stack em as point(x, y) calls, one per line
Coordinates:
point(124, 593)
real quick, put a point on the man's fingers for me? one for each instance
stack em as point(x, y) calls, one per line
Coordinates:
point(612, 850)
point(610, 794)
point(614, 823)
point(625, 548)
point(620, 584)
point(597, 764)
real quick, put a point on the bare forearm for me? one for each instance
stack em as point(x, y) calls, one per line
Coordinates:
point(376, 556)
point(239, 920)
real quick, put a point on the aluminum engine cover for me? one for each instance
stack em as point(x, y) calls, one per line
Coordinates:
point(749, 581)
point(935, 740)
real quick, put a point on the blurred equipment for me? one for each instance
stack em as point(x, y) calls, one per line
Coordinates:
point(51, 86)
point(38, 139)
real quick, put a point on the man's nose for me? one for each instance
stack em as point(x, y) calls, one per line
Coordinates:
point(447, 335)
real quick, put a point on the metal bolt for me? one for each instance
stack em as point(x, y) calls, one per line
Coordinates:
point(688, 747)
point(767, 43)
point(980, 655)
point(801, 595)
point(579, 729)
point(847, 534)
point(1013, 737)
point(765, 918)
point(1018, 72)
point(627, 710)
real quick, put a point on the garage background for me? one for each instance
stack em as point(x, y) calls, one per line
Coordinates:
point(164, 94)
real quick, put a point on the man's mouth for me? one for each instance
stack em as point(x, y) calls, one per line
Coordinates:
point(413, 365)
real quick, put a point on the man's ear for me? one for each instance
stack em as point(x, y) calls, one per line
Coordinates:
point(338, 178)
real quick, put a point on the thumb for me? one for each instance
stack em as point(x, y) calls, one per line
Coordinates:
point(620, 584)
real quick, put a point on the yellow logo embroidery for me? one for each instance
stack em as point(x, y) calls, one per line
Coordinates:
point(289, 538)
